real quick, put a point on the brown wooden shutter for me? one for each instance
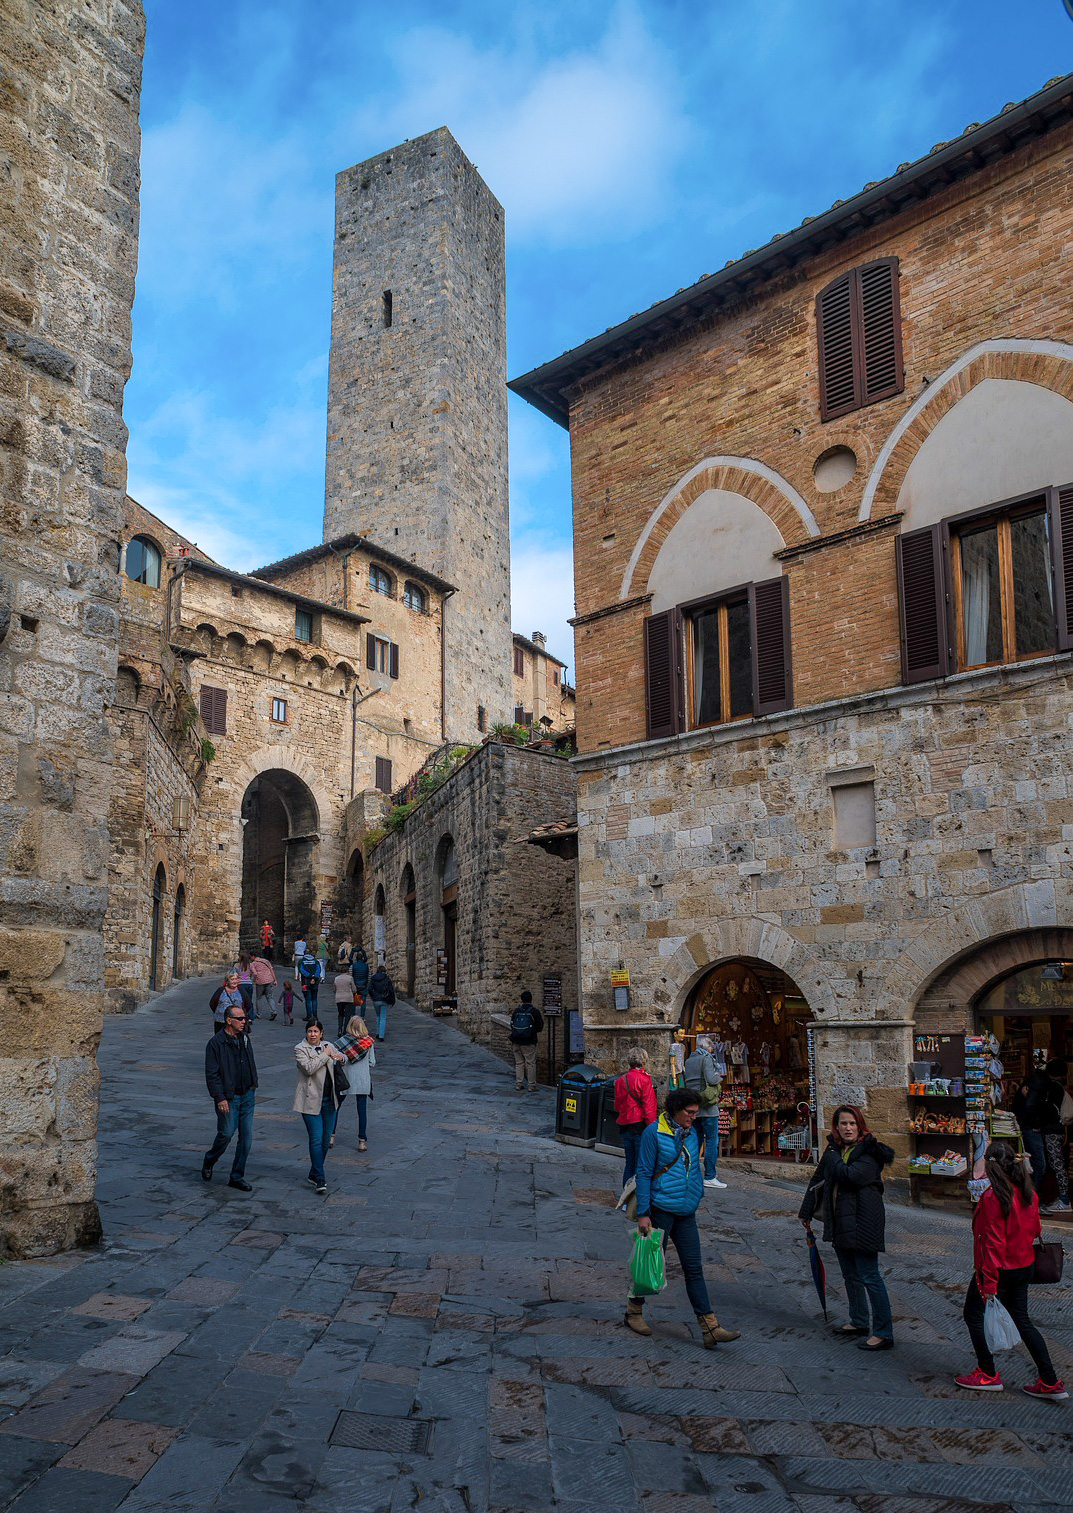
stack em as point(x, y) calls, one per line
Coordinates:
point(519, 714)
point(769, 604)
point(393, 660)
point(880, 331)
point(663, 683)
point(370, 652)
point(213, 703)
point(1060, 515)
point(922, 603)
point(383, 774)
point(519, 662)
point(206, 708)
point(835, 334)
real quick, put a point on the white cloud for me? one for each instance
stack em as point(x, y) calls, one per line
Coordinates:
point(542, 595)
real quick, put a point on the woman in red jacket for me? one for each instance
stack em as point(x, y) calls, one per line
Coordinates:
point(1005, 1226)
point(635, 1109)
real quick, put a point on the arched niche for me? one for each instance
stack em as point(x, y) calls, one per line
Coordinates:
point(721, 541)
point(1004, 438)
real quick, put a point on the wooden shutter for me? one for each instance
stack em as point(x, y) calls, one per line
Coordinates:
point(370, 652)
point(519, 714)
point(213, 703)
point(1060, 514)
point(383, 774)
point(769, 605)
point(663, 682)
point(835, 334)
point(393, 660)
point(519, 662)
point(880, 330)
point(922, 603)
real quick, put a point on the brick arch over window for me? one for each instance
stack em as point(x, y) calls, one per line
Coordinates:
point(1016, 913)
point(737, 475)
point(1046, 363)
point(757, 940)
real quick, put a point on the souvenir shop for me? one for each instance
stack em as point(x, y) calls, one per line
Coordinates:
point(758, 1020)
point(962, 1087)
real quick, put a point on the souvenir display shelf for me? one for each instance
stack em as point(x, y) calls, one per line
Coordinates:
point(940, 1105)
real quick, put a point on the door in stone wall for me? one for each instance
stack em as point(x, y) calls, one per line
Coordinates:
point(280, 825)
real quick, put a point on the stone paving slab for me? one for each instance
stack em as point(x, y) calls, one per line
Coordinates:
point(467, 1272)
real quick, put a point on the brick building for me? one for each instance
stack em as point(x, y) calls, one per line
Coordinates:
point(823, 523)
point(543, 699)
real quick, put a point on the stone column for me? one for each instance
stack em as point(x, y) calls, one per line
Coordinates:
point(69, 143)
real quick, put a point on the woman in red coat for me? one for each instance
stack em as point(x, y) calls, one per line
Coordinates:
point(635, 1109)
point(1005, 1226)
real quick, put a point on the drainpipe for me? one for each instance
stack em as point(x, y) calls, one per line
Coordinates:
point(443, 665)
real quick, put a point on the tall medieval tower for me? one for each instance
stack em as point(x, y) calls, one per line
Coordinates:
point(417, 399)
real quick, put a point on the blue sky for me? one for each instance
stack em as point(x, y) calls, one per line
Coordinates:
point(635, 147)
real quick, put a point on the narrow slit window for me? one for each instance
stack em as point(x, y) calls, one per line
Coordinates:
point(387, 303)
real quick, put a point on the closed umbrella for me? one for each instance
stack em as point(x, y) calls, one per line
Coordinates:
point(819, 1276)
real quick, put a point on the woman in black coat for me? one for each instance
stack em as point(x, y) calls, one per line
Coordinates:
point(847, 1190)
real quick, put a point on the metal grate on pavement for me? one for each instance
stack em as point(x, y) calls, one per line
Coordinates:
point(396, 1436)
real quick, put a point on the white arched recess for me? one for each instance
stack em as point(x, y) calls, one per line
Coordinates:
point(1006, 437)
point(759, 470)
point(1053, 349)
point(722, 540)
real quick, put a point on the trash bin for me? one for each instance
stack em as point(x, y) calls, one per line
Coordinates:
point(577, 1108)
point(608, 1130)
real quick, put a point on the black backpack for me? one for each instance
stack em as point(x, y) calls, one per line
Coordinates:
point(522, 1023)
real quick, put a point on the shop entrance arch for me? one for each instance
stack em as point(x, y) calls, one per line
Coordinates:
point(757, 1019)
point(280, 834)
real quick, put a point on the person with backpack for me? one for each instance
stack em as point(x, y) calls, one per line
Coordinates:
point(309, 982)
point(635, 1108)
point(359, 972)
point(526, 1023)
point(701, 1075)
point(382, 993)
point(298, 952)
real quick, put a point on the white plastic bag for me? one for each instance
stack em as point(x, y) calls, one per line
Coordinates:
point(1000, 1331)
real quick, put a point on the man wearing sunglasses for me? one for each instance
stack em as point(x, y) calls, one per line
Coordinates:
point(231, 1077)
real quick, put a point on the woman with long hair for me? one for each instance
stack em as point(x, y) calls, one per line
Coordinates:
point(847, 1190)
point(356, 1044)
point(1005, 1226)
point(316, 1097)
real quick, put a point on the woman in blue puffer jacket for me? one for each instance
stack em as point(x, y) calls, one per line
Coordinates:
point(670, 1185)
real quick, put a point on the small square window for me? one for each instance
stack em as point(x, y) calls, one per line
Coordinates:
point(279, 711)
point(303, 625)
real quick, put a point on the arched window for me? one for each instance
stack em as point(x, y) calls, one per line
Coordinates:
point(160, 885)
point(414, 598)
point(379, 580)
point(143, 562)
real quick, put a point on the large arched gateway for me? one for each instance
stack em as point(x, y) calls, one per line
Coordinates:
point(280, 834)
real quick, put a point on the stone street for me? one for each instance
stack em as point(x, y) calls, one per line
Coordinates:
point(444, 1329)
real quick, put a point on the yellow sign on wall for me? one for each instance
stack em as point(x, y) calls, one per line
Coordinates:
point(620, 979)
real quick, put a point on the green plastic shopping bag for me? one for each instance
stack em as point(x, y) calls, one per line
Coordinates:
point(646, 1264)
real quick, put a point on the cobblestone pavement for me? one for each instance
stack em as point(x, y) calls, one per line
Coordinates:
point(443, 1330)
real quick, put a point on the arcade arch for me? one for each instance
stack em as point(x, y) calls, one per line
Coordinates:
point(280, 833)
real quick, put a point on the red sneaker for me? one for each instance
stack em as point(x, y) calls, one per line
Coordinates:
point(1040, 1388)
point(979, 1381)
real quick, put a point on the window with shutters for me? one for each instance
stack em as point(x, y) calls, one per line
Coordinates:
point(213, 705)
point(383, 774)
point(988, 588)
point(381, 655)
point(519, 662)
point(858, 333)
point(716, 660)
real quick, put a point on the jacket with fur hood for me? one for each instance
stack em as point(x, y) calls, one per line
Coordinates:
point(848, 1195)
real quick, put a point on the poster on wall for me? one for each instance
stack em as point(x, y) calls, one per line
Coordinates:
point(378, 934)
point(575, 1034)
point(325, 918)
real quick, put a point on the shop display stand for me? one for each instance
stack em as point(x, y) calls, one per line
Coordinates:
point(938, 1113)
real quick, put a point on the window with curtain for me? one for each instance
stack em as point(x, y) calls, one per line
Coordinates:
point(1002, 578)
point(143, 562)
point(721, 665)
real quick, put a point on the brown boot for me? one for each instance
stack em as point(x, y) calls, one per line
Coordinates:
point(713, 1333)
point(635, 1316)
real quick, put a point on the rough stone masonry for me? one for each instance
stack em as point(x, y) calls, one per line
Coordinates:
point(69, 84)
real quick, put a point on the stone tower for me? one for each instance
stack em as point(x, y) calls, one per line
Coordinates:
point(417, 399)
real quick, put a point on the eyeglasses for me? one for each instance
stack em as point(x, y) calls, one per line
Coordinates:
point(237, 1018)
point(690, 1113)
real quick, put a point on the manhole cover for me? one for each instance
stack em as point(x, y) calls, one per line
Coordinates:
point(398, 1436)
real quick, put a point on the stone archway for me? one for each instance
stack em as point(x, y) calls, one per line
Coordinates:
point(947, 1001)
point(280, 833)
point(749, 939)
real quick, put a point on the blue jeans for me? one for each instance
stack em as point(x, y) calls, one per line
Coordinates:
point(631, 1144)
point(707, 1129)
point(381, 1018)
point(681, 1230)
point(309, 993)
point(239, 1117)
point(1037, 1153)
point(362, 1100)
point(320, 1128)
point(864, 1286)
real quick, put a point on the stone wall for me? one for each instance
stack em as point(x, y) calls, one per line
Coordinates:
point(417, 422)
point(69, 143)
point(516, 909)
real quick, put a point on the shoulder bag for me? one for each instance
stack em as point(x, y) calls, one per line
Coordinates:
point(1047, 1261)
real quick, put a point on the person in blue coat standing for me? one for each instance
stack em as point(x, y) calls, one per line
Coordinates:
point(670, 1186)
point(359, 972)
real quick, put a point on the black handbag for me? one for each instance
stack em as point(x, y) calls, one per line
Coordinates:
point(342, 1082)
point(1047, 1261)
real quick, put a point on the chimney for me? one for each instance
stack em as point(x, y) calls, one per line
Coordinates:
point(538, 638)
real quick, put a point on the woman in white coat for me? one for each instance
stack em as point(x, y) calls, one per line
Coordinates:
point(315, 1096)
point(357, 1046)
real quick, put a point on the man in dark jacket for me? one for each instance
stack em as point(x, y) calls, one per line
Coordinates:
point(231, 1078)
point(526, 1023)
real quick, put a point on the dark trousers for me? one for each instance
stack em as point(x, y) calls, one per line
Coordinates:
point(1037, 1154)
point(1013, 1295)
point(865, 1288)
point(309, 993)
point(362, 1100)
point(239, 1117)
point(631, 1145)
point(682, 1231)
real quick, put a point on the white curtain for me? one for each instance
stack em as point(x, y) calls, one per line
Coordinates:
point(976, 595)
